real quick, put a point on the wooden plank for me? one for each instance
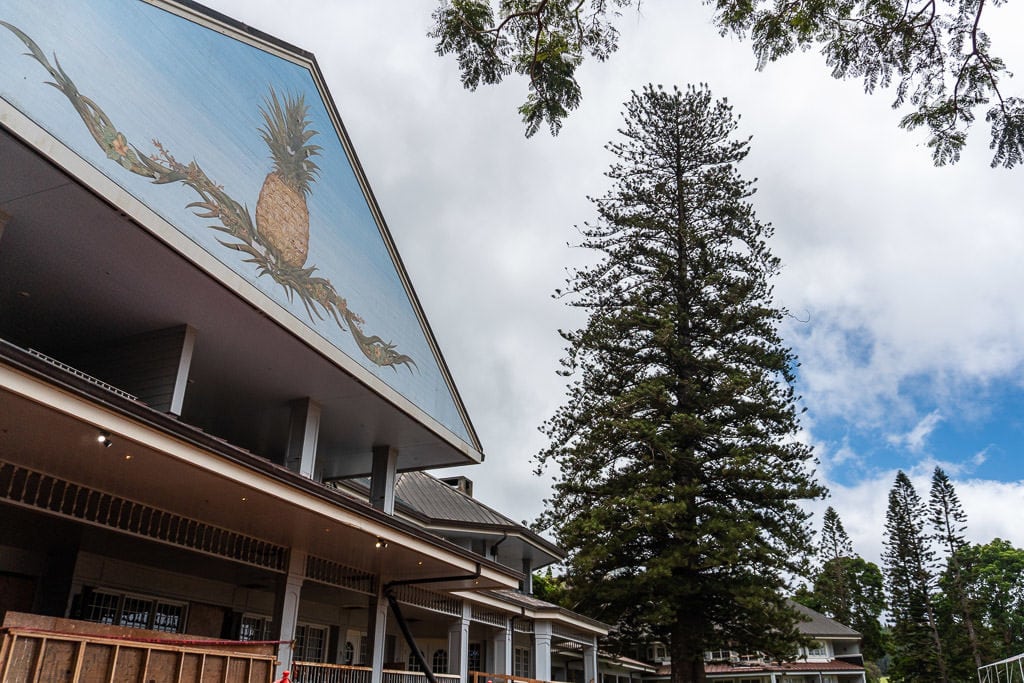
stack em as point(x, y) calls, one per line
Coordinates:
point(7, 653)
point(56, 661)
point(113, 664)
point(38, 666)
point(130, 664)
point(79, 659)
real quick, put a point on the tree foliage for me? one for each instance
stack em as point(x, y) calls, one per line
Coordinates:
point(835, 542)
point(956, 613)
point(679, 477)
point(936, 55)
point(552, 588)
point(847, 588)
point(993, 578)
point(909, 572)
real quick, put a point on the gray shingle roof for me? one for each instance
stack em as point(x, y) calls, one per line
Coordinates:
point(817, 624)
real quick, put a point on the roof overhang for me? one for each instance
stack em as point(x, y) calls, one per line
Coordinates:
point(50, 424)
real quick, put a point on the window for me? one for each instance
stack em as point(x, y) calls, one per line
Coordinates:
point(133, 611)
point(254, 627)
point(440, 662)
point(521, 662)
point(411, 663)
point(817, 649)
point(350, 652)
point(475, 657)
point(310, 643)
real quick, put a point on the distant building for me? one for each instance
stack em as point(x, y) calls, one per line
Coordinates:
point(834, 657)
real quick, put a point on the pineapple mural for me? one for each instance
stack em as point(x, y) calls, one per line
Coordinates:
point(282, 218)
point(277, 242)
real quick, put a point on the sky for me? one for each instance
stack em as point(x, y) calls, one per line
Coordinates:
point(903, 280)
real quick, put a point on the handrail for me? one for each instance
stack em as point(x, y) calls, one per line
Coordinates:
point(1011, 667)
point(319, 672)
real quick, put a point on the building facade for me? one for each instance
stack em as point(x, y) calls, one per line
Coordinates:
point(215, 375)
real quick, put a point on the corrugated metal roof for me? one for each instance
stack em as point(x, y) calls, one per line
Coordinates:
point(437, 500)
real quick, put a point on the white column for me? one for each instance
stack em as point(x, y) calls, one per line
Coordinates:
point(303, 432)
point(501, 651)
point(188, 343)
point(286, 608)
point(458, 644)
point(382, 478)
point(376, 630)
point(590, 672)
point(542, 650)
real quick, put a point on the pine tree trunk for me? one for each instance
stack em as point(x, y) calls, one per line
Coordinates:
point(687, 659)
point(939, 654)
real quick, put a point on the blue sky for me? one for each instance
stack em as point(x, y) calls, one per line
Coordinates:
point(977, 436)
point(903, 279)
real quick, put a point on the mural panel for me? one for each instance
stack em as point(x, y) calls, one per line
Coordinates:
point(234, 146)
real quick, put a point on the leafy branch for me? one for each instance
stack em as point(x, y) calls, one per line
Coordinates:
point(935, 52)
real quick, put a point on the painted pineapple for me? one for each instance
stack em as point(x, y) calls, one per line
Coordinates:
point(282, 218)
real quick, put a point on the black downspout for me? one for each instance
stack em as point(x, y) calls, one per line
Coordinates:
point(403, 625)
point(416, 653)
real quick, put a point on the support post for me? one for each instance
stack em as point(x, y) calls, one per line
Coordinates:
point(501, 651)
point(303, 431)
point(382, 478)
point(590, 662)
point(542, 650)
point(286, 609)
point(376, 630)
point(188, 342)
point(458, 644)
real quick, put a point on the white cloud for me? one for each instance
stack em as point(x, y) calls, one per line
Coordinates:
point(915, 439)
point(862, 509)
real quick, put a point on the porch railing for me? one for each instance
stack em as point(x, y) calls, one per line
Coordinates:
point(483, 677)
point(1005, 671)
point(30, 655)
point(314, 672)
